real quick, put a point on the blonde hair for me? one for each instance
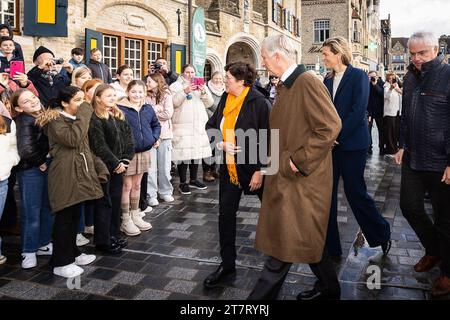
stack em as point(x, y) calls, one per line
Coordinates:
point(339, 45)
point(116, 112)
point(78, 73)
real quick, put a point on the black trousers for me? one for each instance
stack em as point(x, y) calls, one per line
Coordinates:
point(275, 271)
point(434, 235)
point(10, 213)
point(391, 134)
point(115, 192)
point(143, 203)
point(182, 171)
point(102, 217)
point(229, 198)
point(381, 136)
point(65, 229)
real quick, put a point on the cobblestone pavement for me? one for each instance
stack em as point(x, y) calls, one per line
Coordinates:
point(171, 260)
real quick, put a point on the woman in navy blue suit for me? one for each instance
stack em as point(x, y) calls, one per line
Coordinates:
point(349, 89)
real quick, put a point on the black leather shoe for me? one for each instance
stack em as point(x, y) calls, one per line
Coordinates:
point(315, 294)
point(120, 242)
point(218, 276)
point(386, 247)
point(111, 249)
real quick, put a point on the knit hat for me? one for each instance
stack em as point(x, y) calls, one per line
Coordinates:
point(40, 51)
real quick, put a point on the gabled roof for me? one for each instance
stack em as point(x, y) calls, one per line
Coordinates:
point(403, 42)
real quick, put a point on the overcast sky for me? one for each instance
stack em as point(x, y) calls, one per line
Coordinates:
point(408, 16)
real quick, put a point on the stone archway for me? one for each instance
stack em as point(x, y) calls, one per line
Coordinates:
point(241, 51)
point(213, 58)
point(245, 46)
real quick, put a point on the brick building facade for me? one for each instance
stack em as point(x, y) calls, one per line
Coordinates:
point(136, 32)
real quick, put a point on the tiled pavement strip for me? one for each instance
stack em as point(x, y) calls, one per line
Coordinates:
point(171, 260)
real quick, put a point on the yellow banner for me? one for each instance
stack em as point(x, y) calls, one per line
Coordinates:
point(46, 11)
point(178, 61)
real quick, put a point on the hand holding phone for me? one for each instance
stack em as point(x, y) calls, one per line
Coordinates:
point(16, 67)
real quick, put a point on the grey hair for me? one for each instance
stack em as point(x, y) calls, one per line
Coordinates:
point(279, 43)
point(424, 36)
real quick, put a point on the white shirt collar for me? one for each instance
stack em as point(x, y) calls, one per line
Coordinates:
point(288, 72)
point(68, 115)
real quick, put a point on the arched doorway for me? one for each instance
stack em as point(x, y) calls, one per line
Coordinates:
point(241, 51)
point(207, 71)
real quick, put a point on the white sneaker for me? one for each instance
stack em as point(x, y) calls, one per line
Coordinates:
point(89, 230)
point(153, 202)
point(85, 259)
point(81, 240)
point(45, 250)
point(29, 260)
point(2, 259)
point(168, 198)
point(69, 271)
point(147, 210)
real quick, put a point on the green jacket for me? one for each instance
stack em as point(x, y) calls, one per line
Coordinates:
point(74, 172)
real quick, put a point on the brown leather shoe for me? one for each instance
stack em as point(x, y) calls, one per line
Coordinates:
point(208, 177)
point(441, 287)
point(426, 263)
point(215, 174)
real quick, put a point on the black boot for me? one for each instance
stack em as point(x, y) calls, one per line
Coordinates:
point(118, 241)
point(316, 294)
point(218, 276)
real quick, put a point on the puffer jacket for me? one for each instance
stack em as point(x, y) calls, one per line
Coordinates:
point(111, 140)
point(190, 140)
point(8, 146)
point(425, 123)
point(144, 125)
point(32, 143)
point(73, 176)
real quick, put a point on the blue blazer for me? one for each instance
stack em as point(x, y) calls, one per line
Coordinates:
point(351, 100)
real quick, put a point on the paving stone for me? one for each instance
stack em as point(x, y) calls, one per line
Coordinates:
point(181, 273)
point(234, 294)
point(407, 261)
point(184, 252)
point(180, 286)
point(151, 294)
point(41, 293)
point(98, 287)
point(16, 288)
point(125, 291)
point(180, 234)
point(70, 295)
point(130, 278)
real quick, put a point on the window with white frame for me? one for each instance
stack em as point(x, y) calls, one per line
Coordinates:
point(321, 30)
point(133, 56)
point(154, 51)
point(111, 53)
point(8, 12)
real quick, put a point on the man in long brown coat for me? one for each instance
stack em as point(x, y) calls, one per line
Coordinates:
point(293, 220)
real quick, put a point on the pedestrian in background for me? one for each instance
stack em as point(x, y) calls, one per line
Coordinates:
point(375, 111)
point(392, 109)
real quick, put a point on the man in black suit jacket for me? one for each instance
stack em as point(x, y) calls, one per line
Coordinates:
point(375, 109)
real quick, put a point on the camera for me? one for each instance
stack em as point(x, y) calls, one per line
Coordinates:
point(157, 66)
point(373, 79)
point(394, 80)
point(58, 60)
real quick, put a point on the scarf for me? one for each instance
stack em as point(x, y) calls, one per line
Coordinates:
point(233, 106)
point(216, 90)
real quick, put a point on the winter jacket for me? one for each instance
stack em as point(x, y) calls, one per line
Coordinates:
point(144, 125)
point(164, 112)
point(425, 121)
point(190, 141)
point(32, 143)
point(254, 115)
point(75, 64)
point(5, 64)
point(72, 177)
point(376, 100)
point(48, 90)
point(170, 77)
point(18, 49)
point(111, 140)
point(100, 70)
point(392, 101)
point(217, 95)
point(8, 147)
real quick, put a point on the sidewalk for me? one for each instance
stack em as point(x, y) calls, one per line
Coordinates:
point(171, 260)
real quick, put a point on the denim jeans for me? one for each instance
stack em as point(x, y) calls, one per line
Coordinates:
point(3, 193)
point(36, 217)
point(86, 216)
point(159, 172)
